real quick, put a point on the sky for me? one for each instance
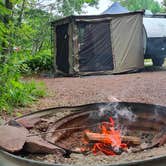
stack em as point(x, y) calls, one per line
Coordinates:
point(103, 5)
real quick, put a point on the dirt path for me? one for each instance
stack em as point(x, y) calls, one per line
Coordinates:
point(146, 87)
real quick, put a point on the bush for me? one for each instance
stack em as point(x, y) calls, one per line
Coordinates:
point(14, 91)
point(42, 61)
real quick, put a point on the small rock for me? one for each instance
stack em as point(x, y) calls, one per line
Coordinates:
point(28, 123)
point(112, 99)
point(14, 123)
point(12, 138)
point(144, 145)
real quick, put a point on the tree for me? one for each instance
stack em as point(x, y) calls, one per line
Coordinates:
point(133, 5)
point(5, 16)
point(68, 7)
point(164, 4)
point(3, 12)
point(28, 21)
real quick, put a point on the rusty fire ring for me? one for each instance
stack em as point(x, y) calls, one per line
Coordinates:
point(159, 160)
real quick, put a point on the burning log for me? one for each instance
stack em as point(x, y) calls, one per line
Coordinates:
point(97, 137)
point(131, 139)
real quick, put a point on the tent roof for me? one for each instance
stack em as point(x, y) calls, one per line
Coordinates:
point(116, 8)
point(87, 18)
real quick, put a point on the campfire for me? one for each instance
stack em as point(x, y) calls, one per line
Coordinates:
point(109, 141)
point(109, 130)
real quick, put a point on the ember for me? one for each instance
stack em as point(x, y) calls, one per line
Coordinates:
point(108, 141)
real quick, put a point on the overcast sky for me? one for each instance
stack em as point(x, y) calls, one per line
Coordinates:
point(103, 5)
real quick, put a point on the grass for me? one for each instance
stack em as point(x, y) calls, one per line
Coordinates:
point(14, 91)
point(148, 62)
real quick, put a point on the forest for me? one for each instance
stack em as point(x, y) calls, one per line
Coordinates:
point(25, 43)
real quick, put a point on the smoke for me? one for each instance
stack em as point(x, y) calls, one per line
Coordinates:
point(124, 112)
point(117, 111)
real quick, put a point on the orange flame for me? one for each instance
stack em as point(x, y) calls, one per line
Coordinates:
point(110, 142)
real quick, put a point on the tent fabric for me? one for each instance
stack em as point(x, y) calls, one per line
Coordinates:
point(127, 43)
point(95, 47)
point(62, 48)
point(116, 8)
point(100, 44)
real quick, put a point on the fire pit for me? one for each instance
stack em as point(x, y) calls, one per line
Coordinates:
point(94, 134)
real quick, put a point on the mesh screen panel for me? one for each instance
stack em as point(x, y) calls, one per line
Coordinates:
point(62, 45)
point(95, 53)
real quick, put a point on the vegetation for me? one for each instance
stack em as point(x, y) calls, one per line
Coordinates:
point(164, 5)
point(25, 45)
point(14, 91)
point(133, 5)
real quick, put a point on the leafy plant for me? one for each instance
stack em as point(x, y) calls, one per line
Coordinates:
point(133, 5)
point(14, 91)
point(42, 61)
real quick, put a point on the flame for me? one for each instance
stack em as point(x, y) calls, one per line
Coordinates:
point(110, 139)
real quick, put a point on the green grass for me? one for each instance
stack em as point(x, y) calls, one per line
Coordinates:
point(148, 62)
point(14, 91)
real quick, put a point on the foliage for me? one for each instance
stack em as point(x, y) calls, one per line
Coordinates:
point(42, 61)
point(3, 28)
point(34, 33)
point(133, 5)
point(25, 40)
point(28, 21)
point(164, 5)
point(14, 91)
point(68, 7)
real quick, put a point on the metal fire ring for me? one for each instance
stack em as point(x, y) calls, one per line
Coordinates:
point(8, 159)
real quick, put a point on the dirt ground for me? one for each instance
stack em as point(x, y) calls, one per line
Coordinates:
point(145, 87)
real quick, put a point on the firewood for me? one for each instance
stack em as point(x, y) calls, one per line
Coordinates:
point(131, 139)
point(97, 137)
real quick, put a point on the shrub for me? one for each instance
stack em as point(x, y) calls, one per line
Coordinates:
point(15, 91)
point(42, 61)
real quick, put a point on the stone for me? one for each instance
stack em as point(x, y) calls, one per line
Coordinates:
point(12, 139)
point(28, 123)
point(113, 99)
point(36, 144)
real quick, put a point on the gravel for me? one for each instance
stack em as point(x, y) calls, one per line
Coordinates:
point(145, 87)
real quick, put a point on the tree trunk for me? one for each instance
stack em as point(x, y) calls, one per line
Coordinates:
point(5, 44)
point(21, 14)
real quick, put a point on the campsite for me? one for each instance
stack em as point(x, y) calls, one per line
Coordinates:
point(83, 83)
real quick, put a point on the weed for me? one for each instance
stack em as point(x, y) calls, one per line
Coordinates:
point(14, 91)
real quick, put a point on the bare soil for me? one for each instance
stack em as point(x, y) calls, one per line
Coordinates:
point(145, 87)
